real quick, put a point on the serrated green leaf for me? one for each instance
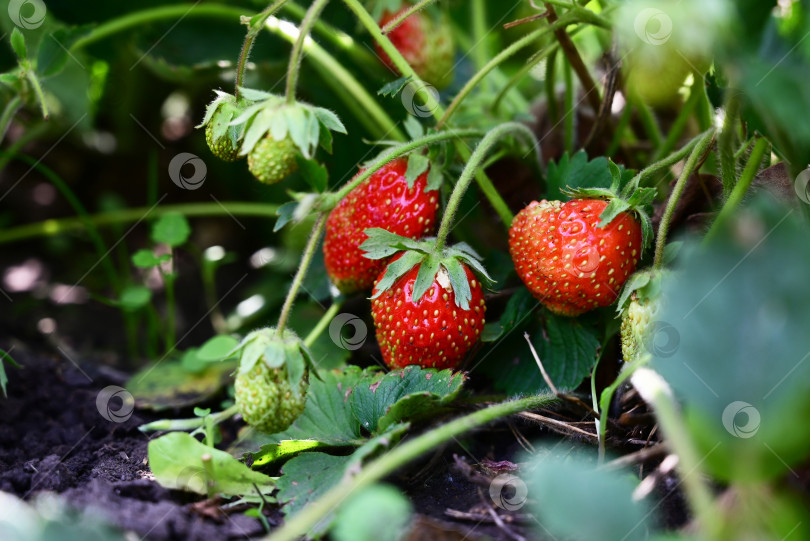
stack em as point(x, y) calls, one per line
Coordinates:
point(394, 87)
point(571, 351)
point(134, 297)
point(612, 210)
point(308, 476)
point(407, 393)
point(314, 173)
point(425, 276)
point(18, 44)
point(395, 270)
point(329, 119)
point(170, 384)
point(176, 462)
point(172, 228)
point(577, 172)
point(459, 282)
point(413, 127)
point(381, 243)
point(417, 164)
point(218, 348)
point(520, 306)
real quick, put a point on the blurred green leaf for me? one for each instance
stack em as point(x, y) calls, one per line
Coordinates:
point(168, 384)
point(377, 513)
point(217, 348)
point(134, 297)
point(172, 228)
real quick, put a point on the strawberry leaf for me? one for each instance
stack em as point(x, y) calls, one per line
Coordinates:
point(425, 276)
point(252, 94)
point(381, 243)
point(297, 125)
point(434, 178)
point(634, 283)
point(413, 127)
point(296, 365)
point(417, 164)
point(396, 269)
point(18, 44)
point(285, 213)
point(329, 119)
point(612, 210)
point(459, 283)
point(314, 173)
point(394, 87)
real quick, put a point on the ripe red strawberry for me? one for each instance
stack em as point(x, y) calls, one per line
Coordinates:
point(433, 332)
point(567, 262)
point(383, 200)
point(426, 44)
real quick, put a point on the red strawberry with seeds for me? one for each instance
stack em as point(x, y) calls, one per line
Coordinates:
point(383, 200)
point(433, 332)
point(570, 263)
point(426, 44)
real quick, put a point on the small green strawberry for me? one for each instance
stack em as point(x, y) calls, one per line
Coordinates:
point(273, 378)
point(223, 139)
point(222, 148)
point(639, 305)
point(272, 161)
point(266, 399)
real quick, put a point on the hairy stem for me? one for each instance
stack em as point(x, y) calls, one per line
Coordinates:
point(296, 55)
point(303, 266)
point(254, 27)
point(473, 163)
point(740, 188)
point(725, 143)
point(301, 523)
point(396, 21)
point(691, 164)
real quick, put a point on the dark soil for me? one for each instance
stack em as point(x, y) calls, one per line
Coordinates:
point(53, 438)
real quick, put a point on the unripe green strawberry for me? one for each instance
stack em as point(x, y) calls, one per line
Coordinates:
point(272, 161)
point(266, 400)
point(639, 305)
point(222, 148)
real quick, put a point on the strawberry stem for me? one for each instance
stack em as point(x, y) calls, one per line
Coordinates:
point(700, 149)
point(400, 151)
point(396, 21)
point(740, 188)
point(474, 162)
point(296, 55)
point(255, 26)
point(303, 266)
point(299, 524)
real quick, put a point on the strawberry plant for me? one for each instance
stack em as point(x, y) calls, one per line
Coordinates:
point(375, 269)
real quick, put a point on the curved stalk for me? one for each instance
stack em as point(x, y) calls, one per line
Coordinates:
point(691, 164)
point(296, 56)
point(254, 27)
point(303, 266)
point(322, 324)
point(396, 21)
point(302, 522)
point(475, 161)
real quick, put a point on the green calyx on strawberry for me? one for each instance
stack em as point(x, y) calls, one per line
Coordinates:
point(428, 308)
point(223, 139)
point(425, 41)
point(272, 380)
point(638, 306)
point(575, 256)
point(275, 132)
point(398, 198)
